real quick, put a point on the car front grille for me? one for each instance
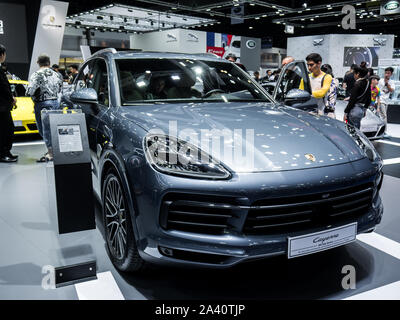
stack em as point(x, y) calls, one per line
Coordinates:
point(291, 214)
point(199, 214)
point(370, 134)
point(216, 215)
point(32, 126)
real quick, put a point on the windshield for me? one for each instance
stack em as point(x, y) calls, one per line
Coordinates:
point(182, 80)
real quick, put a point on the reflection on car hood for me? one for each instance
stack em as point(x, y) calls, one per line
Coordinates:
point(281, 137)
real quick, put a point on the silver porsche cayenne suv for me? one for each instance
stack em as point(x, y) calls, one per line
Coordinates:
point(196, 164)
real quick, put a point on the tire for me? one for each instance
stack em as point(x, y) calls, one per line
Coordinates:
point(118, 230)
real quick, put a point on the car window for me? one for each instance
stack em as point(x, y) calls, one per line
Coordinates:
point(84, 76)
point(293, 76)
point(142, 80)
point(99, 81)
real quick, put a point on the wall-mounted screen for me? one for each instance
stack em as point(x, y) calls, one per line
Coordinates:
point(13, 32)
point(356, 55)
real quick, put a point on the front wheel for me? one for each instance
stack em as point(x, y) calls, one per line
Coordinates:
point(121, 245)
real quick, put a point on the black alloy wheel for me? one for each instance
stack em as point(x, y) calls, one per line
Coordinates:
point(118, 229)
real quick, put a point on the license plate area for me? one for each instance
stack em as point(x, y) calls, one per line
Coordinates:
point(321, 241)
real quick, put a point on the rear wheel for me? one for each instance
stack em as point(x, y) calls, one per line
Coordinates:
point(121, 244)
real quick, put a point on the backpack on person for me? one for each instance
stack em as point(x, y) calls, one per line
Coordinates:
point(331, 96)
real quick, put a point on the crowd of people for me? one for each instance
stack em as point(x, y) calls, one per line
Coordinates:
point(363, 89)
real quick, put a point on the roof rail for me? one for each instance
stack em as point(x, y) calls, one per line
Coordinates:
point(112, 50)
point(207, 54)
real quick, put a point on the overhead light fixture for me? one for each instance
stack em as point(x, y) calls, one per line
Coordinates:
point(136, 21)
point(111, 18)
point(100, 17)
point(305, 5)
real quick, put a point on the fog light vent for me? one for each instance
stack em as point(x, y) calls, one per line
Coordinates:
point(166, 251)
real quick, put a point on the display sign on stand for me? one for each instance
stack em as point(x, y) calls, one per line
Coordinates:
point(72, 172)
point(71, 181)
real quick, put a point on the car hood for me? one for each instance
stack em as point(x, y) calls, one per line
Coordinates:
point(257, 137)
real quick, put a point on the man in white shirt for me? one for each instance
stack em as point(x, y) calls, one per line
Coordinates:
point(386, 85)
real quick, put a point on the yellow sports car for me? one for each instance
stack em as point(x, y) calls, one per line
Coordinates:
point(23, 115)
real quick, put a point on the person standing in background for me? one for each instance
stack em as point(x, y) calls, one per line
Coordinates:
point(387, 87)
point(375, 94)
point(44, 87)
point(74, 72)
point(331, 96)
point(360, 98)
point(7, 101)
point(349, 81)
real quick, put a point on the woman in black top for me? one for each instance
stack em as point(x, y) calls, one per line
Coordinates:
point(360, 98)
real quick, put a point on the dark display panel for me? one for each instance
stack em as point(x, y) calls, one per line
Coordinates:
point(13, 32)
point(356, 55)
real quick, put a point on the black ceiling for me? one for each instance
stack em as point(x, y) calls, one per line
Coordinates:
point(261, 18)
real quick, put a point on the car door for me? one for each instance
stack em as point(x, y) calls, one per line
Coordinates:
point(294, 76)
point(100, 121)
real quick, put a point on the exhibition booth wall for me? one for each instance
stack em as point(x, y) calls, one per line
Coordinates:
point(18, 20)
point(342, 50)
point(248, 50)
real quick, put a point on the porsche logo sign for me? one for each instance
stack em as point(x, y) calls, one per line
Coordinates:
point(310, 157)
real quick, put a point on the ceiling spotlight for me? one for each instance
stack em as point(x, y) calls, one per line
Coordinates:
point(111, 18)
point(100, 17)
point(305, 5)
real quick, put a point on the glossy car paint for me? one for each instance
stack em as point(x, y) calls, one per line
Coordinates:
point(117, 133)
point(371, 125)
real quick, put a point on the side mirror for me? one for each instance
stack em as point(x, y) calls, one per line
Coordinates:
point(295, 96)
point(86, 95)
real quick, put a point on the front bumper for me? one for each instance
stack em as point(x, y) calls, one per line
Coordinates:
point(169, 246)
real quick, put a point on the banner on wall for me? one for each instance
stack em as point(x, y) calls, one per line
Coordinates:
point(49, 32)
point(223, 44)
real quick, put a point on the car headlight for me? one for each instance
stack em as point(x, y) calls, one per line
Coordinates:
point(177, 157)
point(365, 145)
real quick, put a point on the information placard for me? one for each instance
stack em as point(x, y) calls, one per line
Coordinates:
point(69, 138)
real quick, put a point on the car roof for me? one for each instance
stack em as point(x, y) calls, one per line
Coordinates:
point(156, 55)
